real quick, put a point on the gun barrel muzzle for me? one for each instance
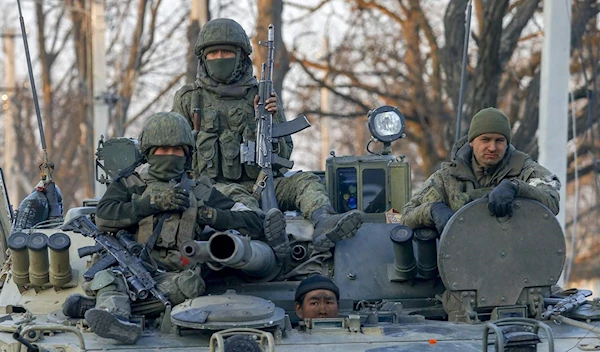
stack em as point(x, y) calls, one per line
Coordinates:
point(195, 251)
point(299, 252)
point(254, 258)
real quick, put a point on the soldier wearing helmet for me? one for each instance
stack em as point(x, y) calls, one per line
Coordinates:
point(224, 95)
point(163, 208)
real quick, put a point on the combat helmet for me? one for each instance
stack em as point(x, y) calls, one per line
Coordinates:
point(166, 129)
point(222, 31)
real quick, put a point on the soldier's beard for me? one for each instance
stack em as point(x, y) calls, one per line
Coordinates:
point(166, 167)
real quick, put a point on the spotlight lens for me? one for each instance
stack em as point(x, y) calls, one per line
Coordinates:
point(388, 123)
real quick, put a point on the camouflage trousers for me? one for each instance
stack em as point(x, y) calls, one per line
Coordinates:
point(111, 290)
point(302, 191)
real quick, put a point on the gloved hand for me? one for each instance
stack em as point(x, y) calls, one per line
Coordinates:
point(206, 215)
point(500, 198)
point(440, 213)
point(157, 199)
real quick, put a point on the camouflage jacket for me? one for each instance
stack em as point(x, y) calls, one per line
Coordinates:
point(226, 120)
point(118, 210)
point(456, 184)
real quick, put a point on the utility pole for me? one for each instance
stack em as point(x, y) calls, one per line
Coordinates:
point(325, 111)
point(554, 92)
point(10, 134)
point(99, 80)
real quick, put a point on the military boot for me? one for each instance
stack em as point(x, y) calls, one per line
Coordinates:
point(274, 227)
point(331, 227)
point(77, 304)
point(105, 324)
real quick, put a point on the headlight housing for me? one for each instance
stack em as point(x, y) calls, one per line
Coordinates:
point(386, 124)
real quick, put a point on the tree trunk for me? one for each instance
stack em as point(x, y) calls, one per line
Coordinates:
point(269, 12)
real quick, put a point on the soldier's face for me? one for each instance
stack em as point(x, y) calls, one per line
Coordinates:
point(177, 151)
point(220, 54)
point(318, 304)
point(489, 148)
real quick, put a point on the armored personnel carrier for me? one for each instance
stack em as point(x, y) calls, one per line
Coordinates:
point(485, 283)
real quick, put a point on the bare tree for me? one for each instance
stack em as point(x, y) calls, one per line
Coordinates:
point(393, 53)
point(269, 12)
point(199, 15)
point(144, 70)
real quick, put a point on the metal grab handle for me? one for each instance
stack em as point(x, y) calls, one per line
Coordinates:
point(217, 341)
point(534, 324)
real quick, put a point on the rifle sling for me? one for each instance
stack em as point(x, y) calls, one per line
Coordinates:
point(152, 240)
point(105, 262)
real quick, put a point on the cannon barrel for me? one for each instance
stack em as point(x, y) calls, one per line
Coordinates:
point(195, 251)
point(231, 249)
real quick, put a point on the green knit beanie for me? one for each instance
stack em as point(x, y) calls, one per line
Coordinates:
point(489, 120)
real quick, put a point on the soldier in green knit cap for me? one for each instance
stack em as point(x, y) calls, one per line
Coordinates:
point(484, 163)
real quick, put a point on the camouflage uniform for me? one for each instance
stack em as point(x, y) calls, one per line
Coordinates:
point(226, 109)
point(138, 203)
point(456, 184)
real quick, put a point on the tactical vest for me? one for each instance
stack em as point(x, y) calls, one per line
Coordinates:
point(177, 228)
point(225, 123)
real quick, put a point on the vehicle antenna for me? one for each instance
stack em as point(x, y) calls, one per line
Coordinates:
point(463, 72)
point(45, 167)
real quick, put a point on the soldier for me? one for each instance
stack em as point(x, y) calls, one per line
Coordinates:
point(317, 297)
point(487, 166)
point(225, 92)
point(164, 207)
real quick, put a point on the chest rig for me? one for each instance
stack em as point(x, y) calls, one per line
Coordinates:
point(224, 124)
point(177, 227)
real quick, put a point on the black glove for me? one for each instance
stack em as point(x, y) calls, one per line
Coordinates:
point(440, 213)
point(165, 198)
point(500, 198)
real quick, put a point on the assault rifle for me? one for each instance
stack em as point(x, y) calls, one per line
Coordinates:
point(263, 151)
point(125, 254)
point(566, 304)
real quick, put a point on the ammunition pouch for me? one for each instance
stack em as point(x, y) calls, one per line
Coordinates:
point(230, 152)
point(210, 120)
point(237, 118)
point(206, 158)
